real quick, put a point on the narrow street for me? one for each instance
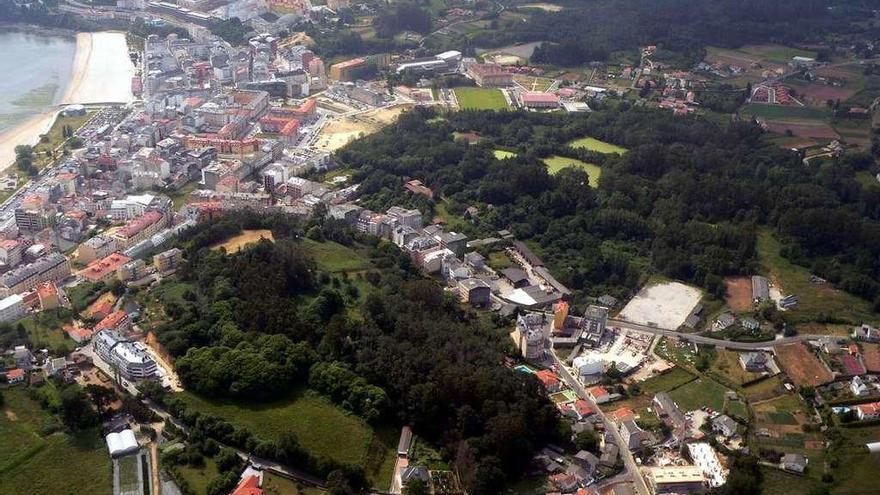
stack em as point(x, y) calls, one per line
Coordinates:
point(631, 470)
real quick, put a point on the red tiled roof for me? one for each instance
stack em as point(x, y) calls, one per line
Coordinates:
point(140, 223)
point(111, 321)
point(99, 269)
point(15, 374)
point(538, 97)
point(582, 408)
point(547, 378)
point(249, 486)
point(597, 392)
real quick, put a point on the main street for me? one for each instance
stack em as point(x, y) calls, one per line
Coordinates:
point(630, 466)
point(700, 339)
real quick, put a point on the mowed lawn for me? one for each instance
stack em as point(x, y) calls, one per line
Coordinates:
point(698, 393)
point(333, 257)
point(322, 428)
point(594, 144)
point(556, 163)
point(31, 463)
point(480, 99)
point(813, 299)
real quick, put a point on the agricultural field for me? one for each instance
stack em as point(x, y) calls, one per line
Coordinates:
point(594, 144)
point(666, 382)
point(749, 54)
point(322, 428)
point(556, 163)
point(242, 240)
point(727, 367)
point(785, 112)
point(871, 357)
point(763, 390)
point(813, 298)
point(480, 99)
point(777, 481)
point(698, 393)
point(31, 462)
point(802, 366)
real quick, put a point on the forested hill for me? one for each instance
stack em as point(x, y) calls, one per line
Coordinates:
point(588, 30)
point(686, 200)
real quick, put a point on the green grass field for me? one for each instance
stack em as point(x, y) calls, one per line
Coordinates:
point(32, 463)
point(784, 112)
point(322, 428)
point(813, 299)
point(666, 382)
point(593, 144)
point(776, 481)
point(333, 257)
point(698, 393)
point(480, 99)
point(501, 154)
point(129, 478)
point(556, 163)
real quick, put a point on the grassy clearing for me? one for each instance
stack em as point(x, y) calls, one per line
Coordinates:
point(498, 260)
point(698, 393)
point(785, 112)
point(501, 154)
point(480, 99)
point(44, 331)
point(198, 477)
point(276, 485)
point(763, 390)
point(322, 428)
point(813, 299)
point(666, 382)
point(31, 463)
point(333, 257)
point(727, 366)
point(44, 149)
point(776, 481)
point(180, 197)
point(593, 144)
point(129, 478)
point(556, 163)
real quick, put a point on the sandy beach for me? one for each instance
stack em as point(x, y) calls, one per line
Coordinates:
point(26, 133)
point(101, 73)
point(102, 70)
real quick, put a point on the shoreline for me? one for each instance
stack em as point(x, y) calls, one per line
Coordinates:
point(28, 132)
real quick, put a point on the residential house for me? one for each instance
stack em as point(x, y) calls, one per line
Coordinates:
point(635, 437)
point(15, 375)
point(475, 292)
point(866, 333)
point(668, 410)
point(868, 411)
point(756, 362)
point(750, 323)
point(795, 463)
point(23, 358)
point(549, 380)
point(725, 425)
point(724, 321)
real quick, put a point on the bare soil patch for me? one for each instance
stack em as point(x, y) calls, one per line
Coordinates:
point(802, 366)
point(739, 293)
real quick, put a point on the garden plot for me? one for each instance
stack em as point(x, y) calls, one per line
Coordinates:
point(664, 305)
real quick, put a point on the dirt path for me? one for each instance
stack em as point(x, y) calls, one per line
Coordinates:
point(154, 461)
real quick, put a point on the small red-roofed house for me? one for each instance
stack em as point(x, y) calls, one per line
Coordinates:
point(598, 394)
point(583, 409)
point(551, 382)
point(868, 411)
point(15, 376)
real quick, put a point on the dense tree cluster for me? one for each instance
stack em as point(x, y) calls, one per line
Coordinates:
point(403, 16)
point(588, 31)
point(687, 199)
point(264, 321)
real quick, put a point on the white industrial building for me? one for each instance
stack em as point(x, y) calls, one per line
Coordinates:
point(705, 458)
point(122, 443)
point(131, 359)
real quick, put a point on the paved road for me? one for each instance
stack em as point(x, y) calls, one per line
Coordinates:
point(631, 470)
point(700, 339)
